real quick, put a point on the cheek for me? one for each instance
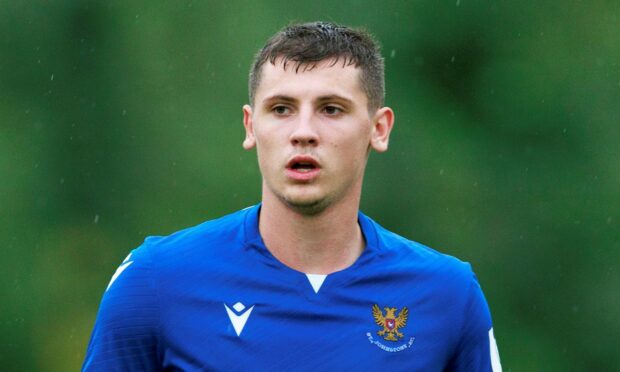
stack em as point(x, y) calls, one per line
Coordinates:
point(356, 146)
point(267, 139)
point(265, 152)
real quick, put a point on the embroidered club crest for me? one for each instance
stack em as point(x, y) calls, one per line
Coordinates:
point(390, 323)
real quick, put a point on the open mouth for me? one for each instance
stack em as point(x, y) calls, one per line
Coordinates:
point(303, 166)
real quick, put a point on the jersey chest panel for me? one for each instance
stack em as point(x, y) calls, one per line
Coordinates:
point(285, 325)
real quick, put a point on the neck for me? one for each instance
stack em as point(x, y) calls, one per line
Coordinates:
point(321, 243)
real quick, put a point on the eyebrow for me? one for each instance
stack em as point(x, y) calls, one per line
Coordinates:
point(279, 98)
point(335, 97)
point(289, 99)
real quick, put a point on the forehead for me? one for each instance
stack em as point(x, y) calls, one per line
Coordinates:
point(325, 78)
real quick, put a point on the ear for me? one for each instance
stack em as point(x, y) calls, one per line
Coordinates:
point(250, 141)
point(382, 126)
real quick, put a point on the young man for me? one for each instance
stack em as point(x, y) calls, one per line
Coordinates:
point(302, 281)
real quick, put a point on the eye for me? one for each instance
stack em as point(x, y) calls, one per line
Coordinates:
point(281, 110)
point(332, 110)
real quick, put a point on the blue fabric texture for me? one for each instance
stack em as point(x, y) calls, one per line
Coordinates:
point(213, 298)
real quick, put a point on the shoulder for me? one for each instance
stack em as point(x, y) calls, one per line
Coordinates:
point(404, 254)
point(127, 333)
point(218, 234)
point(447, 282)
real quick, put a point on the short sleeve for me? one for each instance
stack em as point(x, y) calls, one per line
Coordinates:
point(125, 336)
point(477, 349)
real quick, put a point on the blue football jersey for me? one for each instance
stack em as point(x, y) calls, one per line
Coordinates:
point(213, 298)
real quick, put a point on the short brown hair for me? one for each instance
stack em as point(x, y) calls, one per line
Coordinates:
point(310, 43)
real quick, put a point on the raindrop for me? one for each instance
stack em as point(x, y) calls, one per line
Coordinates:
point(96, 218)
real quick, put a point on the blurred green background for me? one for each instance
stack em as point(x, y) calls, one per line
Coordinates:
point(120, 120)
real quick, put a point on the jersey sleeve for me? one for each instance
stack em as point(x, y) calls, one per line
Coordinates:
point(477, 349)
point(125, 336)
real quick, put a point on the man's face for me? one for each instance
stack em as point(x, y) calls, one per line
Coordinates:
point(312, 130)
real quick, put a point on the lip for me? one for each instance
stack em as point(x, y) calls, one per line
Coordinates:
point(302, 175)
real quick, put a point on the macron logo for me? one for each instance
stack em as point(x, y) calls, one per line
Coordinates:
point(238, 316)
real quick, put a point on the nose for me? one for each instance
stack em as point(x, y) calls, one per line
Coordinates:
point(305, 131)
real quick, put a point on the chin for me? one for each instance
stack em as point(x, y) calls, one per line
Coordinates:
point(307, 206)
